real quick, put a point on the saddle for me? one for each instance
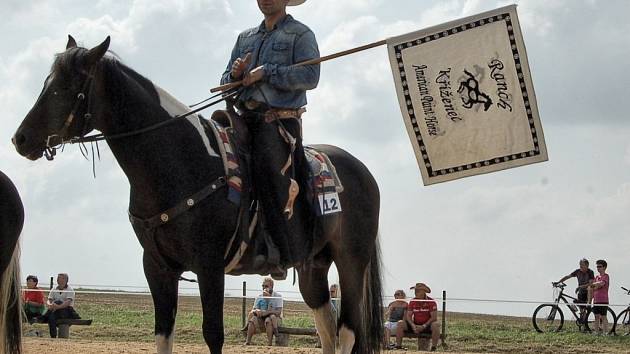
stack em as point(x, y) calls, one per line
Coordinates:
point(250, 240)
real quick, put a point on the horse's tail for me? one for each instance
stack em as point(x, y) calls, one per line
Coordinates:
point(11, 307)
point(372, 325)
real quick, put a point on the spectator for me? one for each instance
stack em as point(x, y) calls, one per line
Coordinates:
point(60, 304)
point(265, 320)
point(335, 300)
point(33, 299)
point(600, 297)
point(261, 303)
point(395, 314)
point(422, 314)
point(585, 278)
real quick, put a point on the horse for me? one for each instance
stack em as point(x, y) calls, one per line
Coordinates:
point(88, 90)
point(11, 222)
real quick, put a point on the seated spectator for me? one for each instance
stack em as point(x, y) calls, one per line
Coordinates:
point(422, 314)
point(33, 299)
point(60, 304)
point(265, 320)
point(335, 300)
point(395, 316)
point(261, 303)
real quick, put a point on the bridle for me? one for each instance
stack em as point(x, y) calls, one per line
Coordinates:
point(55, 141)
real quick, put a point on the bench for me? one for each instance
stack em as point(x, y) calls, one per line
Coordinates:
point(63, 326)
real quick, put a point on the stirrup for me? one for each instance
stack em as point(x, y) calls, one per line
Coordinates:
point(294, 189)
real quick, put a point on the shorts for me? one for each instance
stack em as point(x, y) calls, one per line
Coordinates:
point(259, 323)
point(600, 310)
point(426, 330)
point(392, 326)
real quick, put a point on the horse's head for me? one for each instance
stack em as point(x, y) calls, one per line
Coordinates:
point(62, 110)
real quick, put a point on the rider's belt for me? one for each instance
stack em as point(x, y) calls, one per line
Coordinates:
point(278, 113)
point(253, 105)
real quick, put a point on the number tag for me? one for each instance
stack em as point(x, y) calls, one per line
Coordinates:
point(329, 203)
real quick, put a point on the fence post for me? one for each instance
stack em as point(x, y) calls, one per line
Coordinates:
point(243, 310)
point(51, 283)
point(443, 335)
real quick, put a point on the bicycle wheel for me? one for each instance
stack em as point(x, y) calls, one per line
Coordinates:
point(623, 323)
point(589, 324)
point(548, 318)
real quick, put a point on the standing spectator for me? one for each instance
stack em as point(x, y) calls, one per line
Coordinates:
point(600, 297)
point(585, 278)
point(33, 299)
point(422, 314)
point(60, 304)
point(395, 314)
point(266, 320)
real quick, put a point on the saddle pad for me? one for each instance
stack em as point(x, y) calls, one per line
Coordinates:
point(325, 183)
point(229, 157)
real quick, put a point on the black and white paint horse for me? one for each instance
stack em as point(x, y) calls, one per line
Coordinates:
point(164, 166)
point(11, 221)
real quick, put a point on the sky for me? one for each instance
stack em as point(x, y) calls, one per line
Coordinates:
point(504, 235)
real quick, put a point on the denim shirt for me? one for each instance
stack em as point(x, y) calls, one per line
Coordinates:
point(289, 42)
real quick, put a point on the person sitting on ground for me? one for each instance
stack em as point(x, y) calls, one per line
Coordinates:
point(600, 297)
point(422, 314)
point(33, 299)
point(266, 320)
point(60, 304)
point(585, 278)
point(395, 314)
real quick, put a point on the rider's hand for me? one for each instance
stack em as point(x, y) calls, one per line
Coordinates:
point(240, 65)
point(254, 76)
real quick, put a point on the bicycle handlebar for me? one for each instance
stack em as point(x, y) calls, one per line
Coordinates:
point(626, 290)
point(558, 285)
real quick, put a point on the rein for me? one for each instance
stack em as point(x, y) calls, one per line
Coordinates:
point(58, 140)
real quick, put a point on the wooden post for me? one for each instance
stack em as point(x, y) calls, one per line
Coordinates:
point(309, 62)
point(243, 308)
point(443, 334)
point(51, 283)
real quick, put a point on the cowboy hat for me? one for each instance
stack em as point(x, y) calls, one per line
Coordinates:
point(421, 286)
point(295, 2)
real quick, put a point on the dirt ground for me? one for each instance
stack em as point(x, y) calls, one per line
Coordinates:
point(72, 346)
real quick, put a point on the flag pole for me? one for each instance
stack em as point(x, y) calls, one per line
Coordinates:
point(310, 62)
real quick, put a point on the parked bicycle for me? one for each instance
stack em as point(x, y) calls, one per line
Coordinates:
point(550, 318)
point(623, 320)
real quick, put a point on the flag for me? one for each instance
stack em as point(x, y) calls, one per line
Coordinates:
point(466, 96)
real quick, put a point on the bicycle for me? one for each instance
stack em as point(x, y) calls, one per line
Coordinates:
point(624, 316)
point(550, 318)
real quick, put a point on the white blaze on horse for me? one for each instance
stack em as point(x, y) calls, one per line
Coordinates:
point(167, 161)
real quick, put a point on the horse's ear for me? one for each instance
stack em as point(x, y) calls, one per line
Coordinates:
point(95, 54)
point(71, 43)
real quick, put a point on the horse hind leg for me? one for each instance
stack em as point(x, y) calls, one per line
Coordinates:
point(361, 304)
point(314, 288)
point(10, 306)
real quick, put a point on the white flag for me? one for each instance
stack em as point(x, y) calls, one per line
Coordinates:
point(467, 97)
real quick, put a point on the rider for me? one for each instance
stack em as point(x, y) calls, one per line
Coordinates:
point(271, 104)
point(585, 278)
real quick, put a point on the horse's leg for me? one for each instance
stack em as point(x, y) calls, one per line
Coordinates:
point(314, 289)
point(163, 287)
point(359, 300)
point(211, 283)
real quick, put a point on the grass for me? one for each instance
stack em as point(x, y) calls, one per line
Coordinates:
point(130, 318)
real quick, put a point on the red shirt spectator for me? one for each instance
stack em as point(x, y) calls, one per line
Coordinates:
point(34, 295)
point(421, 310)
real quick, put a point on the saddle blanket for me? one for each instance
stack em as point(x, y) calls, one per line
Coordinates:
point(324, 183)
